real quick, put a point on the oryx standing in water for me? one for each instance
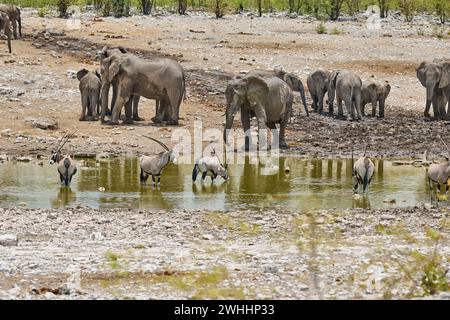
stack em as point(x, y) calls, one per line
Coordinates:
point(439, 173)
point(362, 172)
point(210, 166)
point(153, 166)
point(67, 167)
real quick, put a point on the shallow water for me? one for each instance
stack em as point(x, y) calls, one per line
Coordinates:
point(311, 184)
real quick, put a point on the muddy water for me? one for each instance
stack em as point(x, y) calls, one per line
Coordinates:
point(311, 184)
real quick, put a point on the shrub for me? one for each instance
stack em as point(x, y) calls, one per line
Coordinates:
point(321, 29)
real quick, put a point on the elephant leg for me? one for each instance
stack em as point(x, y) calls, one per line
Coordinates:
point(349, 107)
point(159, 113)
point(14, 25)
point(173, 105)
point(135, 109)
point(357, 105)
point(245, 119)
point(122, 99)
point(84, 104)
point(339, 105)
point(320, 101)
point(93, 105)
point(128, 111)
point(381, 109)
point(426, 113)
point(314, 105)
point(374, 107)
point(104, 101)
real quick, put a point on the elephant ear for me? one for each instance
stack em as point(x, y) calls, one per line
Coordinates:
point(387, 88)
point(257, 89)
point(104, 52)
point(82, 73)
point(109, 69)
point(292, 81)
point(122, 49)
point(420, 72)
point(445, 76)
point(333, 78)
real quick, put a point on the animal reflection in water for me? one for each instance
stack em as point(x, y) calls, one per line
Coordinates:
point(65, 197)
point(361, 201)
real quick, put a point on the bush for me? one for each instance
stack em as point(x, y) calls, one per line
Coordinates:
point(335, 31)
point(321, 29)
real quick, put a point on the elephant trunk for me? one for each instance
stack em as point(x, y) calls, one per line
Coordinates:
point(430, 91)
point(301, 89)
point(104, 100)
point(228, 124)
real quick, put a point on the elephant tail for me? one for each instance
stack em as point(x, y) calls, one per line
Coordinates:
point(302, 95)
point(195, 172)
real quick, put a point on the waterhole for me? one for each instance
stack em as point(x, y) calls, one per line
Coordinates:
point(310, 184)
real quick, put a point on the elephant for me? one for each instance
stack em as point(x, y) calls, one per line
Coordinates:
point(435, 77)
point(374, 92)
point(346, 85)
point(292, 81)
point(5, 25)
point(317, 83)
point(90, 86)
point(13, 13)
point(108, 52)
point(269, 99)
point(160, 79)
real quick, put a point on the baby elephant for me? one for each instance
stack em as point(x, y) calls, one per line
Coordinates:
point(373, 92)
point(90, 85)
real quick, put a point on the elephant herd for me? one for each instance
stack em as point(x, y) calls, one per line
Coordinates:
point(131, 77)
point(268, 96)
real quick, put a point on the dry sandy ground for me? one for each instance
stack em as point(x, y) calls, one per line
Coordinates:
point(209, 49)
point(82, 253)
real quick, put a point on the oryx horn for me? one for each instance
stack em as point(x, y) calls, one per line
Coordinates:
point(159, 142)
point(67, 137)
point(446, 147)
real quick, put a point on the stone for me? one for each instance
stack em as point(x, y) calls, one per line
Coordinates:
point(42, 123)
point(8, 240)
point(23, 159)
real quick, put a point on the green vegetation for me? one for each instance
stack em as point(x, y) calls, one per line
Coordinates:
point(321, 29)
point(329, 9)
point(336, 31)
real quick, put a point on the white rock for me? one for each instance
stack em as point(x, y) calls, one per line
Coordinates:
point(8, 240)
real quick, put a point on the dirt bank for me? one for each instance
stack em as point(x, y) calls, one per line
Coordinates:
point(37, 80)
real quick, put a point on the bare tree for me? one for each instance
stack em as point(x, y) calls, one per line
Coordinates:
point(147, 6)
point(182, 6)
point(384, 8)
point(259, 3)
point(334, 8)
